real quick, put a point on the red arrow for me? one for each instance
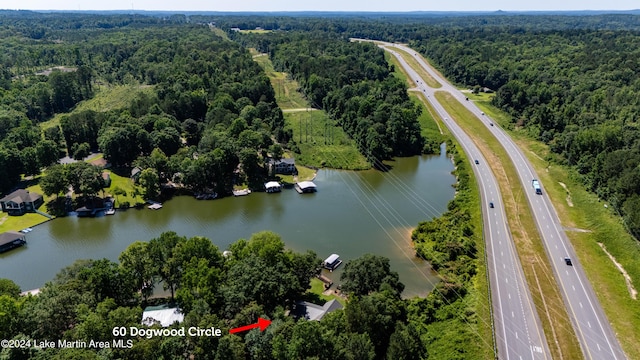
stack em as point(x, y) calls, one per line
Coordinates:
point(262, 324)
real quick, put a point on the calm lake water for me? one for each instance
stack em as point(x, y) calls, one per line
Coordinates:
point(352, 213)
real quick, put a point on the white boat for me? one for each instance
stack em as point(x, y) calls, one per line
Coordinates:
point(27, 230)
point(110, 211)
point(242, 192)
point(155, 206)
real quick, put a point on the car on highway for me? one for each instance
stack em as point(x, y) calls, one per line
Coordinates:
point(477, 162)
point(491, 124)
point(567, 260)
point(482, 113)
point(491, 205)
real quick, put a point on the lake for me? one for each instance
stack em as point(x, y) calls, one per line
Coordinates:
point(351, 214)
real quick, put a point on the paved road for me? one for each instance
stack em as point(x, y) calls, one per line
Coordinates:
point(517, 327)
point(594, 331)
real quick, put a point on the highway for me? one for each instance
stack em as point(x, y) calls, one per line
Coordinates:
point(517, 327)
point(595, 335)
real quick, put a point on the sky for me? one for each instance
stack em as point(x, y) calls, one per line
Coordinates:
point(321, 5)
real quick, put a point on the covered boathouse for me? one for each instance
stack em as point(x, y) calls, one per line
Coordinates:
point(10, 240)
point(332, 262)
point(273, 187)
point(305, 187)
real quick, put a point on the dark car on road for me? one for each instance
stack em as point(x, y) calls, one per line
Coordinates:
point(477, 162)
point(491, 205)
point(567, 261)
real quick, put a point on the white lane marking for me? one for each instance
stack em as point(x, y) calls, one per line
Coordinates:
point(588, 323)
point(581, 307)
point(509, 295)
point(513, 315)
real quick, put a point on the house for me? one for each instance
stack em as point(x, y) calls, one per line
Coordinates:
point(311, 311)
point(21, 201)
point(162, 314)
point(10, 240)
point(135, 173)
point(283, 166)
point(106, 177)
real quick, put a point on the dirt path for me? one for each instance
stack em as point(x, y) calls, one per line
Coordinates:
point(627, 279)
point(299, 110)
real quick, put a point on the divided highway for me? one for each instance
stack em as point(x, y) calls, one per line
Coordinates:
point(594, 331)
point(517, 327)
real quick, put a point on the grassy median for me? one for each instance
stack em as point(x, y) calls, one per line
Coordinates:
point(537, 269)
point(589, 223)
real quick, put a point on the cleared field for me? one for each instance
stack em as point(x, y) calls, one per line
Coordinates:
point(106, 98)
point(286, 89)
point(321, 143)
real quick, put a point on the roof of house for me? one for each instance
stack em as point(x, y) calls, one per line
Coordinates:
point(287, 161)
point(162, 314)
point(9, 236)
point(135, 171)
point(311, 311)
point(21, 196)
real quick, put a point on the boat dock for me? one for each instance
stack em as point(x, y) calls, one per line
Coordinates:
point(10, 240)
point(332, 262)
point(303, 187)
point(273, 187)
point(242, 192)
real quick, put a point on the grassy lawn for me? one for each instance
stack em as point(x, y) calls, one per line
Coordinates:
point(580, 209)
point(545, 292)
point(106, 98)
point(126, 184)
point(317, 288)
point(17, 223)
point(323, 144)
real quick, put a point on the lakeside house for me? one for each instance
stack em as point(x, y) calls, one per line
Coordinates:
point(311, 311)
point(10, 240)
point(283, 166)
point(21, 201)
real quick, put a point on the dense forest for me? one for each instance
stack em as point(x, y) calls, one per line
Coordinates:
point(258, 278)
point(354, 84)
point(576, 90)
point(570, 81)
point(210, 107)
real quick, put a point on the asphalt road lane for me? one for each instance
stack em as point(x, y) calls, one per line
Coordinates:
point(595, 334)
point(517, 328)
